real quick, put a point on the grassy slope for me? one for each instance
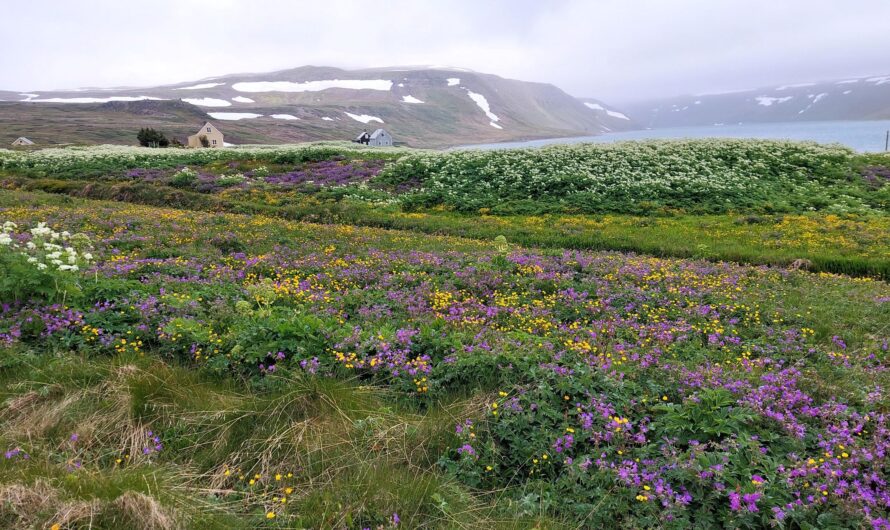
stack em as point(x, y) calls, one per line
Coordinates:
point(434, 126)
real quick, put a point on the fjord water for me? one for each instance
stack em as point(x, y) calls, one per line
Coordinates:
point(859, 135)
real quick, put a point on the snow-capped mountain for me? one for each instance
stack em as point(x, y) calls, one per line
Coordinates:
point(863, 98)
point(420, 106)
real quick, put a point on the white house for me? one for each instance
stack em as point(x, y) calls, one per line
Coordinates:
point(21, 140)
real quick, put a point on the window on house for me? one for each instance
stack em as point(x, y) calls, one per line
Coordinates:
point(214, 142)
point(208, 129)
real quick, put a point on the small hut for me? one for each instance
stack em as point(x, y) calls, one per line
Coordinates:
point(208, 136)
point(22, 141)
point(380, 138)
point(363, 138)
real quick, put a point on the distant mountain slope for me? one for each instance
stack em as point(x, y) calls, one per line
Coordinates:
point(612, 118)
point(866, 98)
point(420, 106)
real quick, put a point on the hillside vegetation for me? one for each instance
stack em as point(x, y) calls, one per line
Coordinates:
point(780, 203)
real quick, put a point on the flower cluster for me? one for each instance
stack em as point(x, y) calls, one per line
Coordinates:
point(43, 247)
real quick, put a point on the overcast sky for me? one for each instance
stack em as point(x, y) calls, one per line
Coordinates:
point(616, 50)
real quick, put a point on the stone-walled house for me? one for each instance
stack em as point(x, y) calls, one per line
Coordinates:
point(213, 136)
point(21, 141)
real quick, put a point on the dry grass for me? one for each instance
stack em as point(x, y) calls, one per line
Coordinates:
point(23, 506)
point(142, 512)
point(355, 454)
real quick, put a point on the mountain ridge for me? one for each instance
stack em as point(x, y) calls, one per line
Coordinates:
point(854, 98)
point(422, 107)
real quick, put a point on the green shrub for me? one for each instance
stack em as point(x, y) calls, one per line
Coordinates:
point(184, 178)
point(41, 264)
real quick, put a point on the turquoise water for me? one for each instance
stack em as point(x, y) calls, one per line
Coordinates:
point(860, 135)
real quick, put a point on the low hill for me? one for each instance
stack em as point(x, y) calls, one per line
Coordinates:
point(422, 107)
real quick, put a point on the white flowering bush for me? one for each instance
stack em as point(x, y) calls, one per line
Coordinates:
point(231, 180)
point(41, 263)
point(705, 176)
point(261, 172)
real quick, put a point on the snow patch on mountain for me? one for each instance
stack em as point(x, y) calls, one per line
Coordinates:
point(208, 102)
point(410, 99)
point(313, 86)
point(364, 118)
point(482, 103)
point(199, 87)
point(453, 81)
point(881, 80)
point(615, 113)
point(285, 117)
point(816, 99)
point(768, 101)
point(234, 116)
point(242, 99)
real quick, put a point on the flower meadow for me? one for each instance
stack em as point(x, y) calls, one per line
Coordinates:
point(506, 384)
point(822, 208)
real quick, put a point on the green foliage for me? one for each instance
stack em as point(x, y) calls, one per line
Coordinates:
point(152, 138)
point(641, 178)
point(46, 267)
point(712, 417)
point(184, 178)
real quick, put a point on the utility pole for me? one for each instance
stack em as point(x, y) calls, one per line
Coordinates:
point(887, 142)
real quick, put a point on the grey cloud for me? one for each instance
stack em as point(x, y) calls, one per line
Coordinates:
point(611, 49)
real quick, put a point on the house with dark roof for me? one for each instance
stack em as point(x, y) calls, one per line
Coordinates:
point(363, 138)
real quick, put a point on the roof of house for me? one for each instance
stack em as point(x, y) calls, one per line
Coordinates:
point(362, 135)
point(208, 124)
point(377, 133)
point(23, 140)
